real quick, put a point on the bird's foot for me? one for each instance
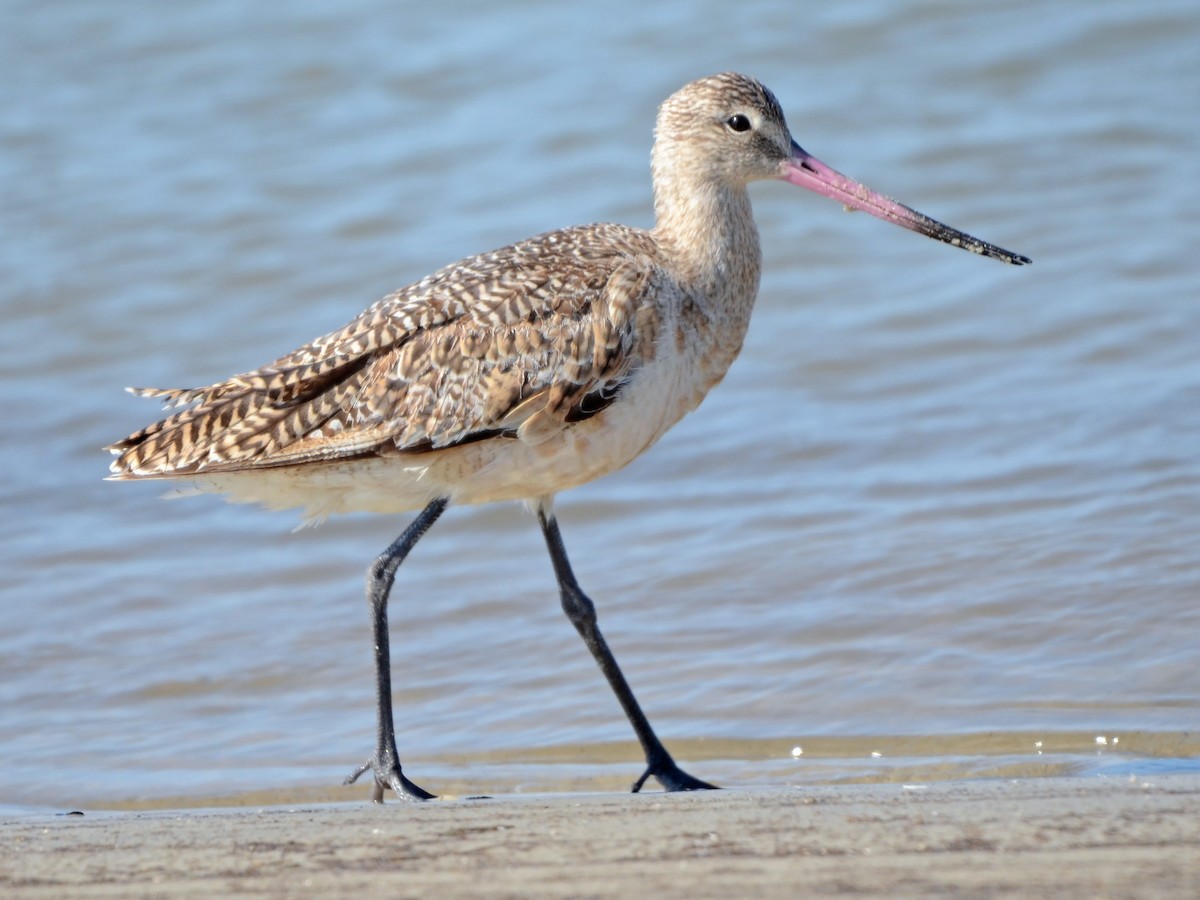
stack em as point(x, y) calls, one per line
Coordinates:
point(672, 778)
point(387, 774)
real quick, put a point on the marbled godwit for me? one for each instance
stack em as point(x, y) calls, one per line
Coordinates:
point(519, 373)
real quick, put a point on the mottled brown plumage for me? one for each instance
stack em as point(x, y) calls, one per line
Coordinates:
point(502, 344)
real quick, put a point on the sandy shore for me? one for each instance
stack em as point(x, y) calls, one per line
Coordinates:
point(1060, 837)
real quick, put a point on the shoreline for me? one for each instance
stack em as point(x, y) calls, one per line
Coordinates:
point(1115, 836)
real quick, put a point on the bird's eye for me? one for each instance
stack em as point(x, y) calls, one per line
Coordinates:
point(738, 122)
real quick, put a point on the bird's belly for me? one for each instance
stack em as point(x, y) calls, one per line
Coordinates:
point(508, 469)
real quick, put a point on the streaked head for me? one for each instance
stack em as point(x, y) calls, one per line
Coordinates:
point(730, 129)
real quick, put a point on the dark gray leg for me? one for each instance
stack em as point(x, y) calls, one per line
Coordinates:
point(582, 613)
point(386, 762)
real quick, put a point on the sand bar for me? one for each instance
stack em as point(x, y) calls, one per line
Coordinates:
point(1062, 837)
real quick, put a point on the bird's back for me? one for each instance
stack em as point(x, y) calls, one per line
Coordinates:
point(513, 343)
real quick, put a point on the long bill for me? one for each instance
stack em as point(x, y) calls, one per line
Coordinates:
point(807, 171)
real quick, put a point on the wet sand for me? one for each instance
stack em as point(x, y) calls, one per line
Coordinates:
point(1061, 837)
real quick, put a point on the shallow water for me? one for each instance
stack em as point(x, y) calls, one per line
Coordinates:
point(937, 499)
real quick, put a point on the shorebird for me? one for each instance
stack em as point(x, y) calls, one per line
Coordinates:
point(519, 373)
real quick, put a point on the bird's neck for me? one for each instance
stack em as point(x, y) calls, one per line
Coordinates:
point(706, 230)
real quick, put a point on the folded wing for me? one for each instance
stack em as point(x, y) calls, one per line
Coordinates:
point(518, 343)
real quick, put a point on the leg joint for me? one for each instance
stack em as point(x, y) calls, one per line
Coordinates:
point(579, 607)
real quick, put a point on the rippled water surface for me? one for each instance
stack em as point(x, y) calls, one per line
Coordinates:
point(942, 510)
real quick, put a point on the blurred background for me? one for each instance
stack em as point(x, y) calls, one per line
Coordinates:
point(939, 521)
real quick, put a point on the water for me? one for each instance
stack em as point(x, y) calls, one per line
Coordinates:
point(941, 509)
